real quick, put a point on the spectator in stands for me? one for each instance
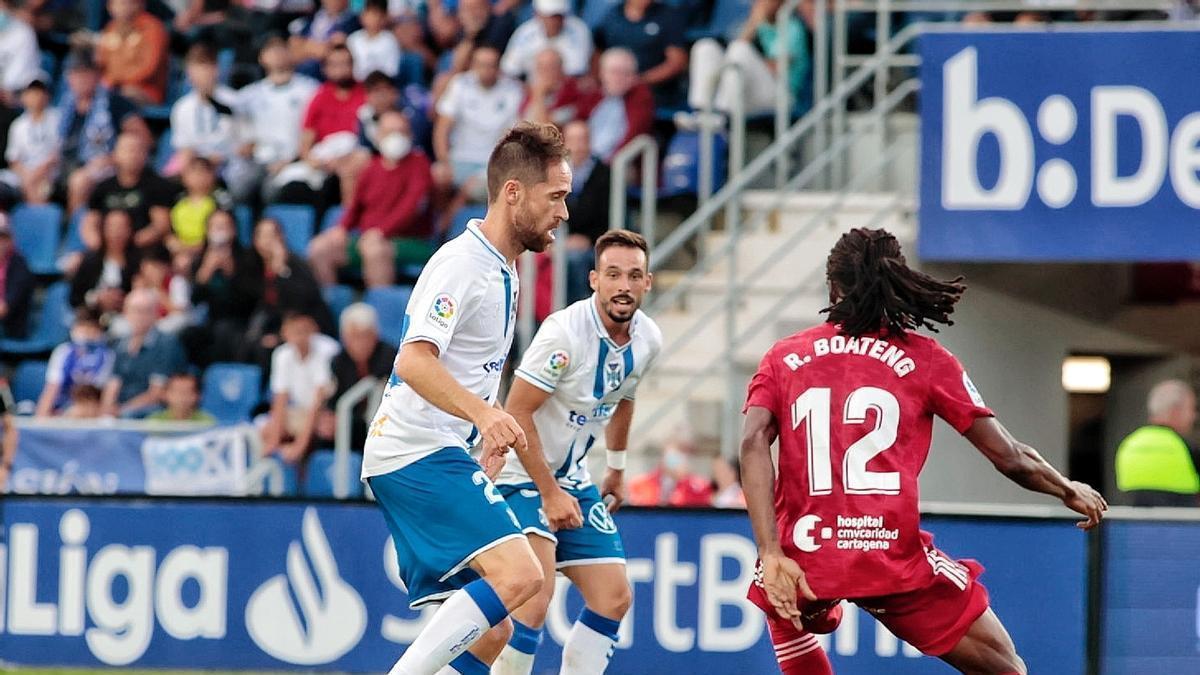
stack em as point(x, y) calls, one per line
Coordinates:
point(145, 358)
point(225, 282)
point(189, 216)
point(203, 122)
point(623, 110)
point(410, 35)
point(1156, 465)
point(329, 137)
point(373, 46)
point(672, 483)
point(8, 438)
point(156, 274)
point(301, 382)
point(106, 274)
point(220, 23)
point(181, 399)
point(85, 359)
point(727, 488)
point(587, 205)
point(475, 23)
point(136, 189)
point(386, 223)
point(272, 109)
point(654, 33)
point(362, 355)
point(382, 96)
point(132, 52)
point(16, 285)
point(284, 283)
point(314, 38)
point(85, 403)
point(33, 146)
point(463, 138)
point(554, 98)
point(754, 52)
point(19, 57)
point(90, 117)
point(552, 27)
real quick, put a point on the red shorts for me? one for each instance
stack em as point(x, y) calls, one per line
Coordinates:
point(933, 618)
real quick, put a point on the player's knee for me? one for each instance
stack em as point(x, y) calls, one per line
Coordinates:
point(621, 598)
point(518, 582)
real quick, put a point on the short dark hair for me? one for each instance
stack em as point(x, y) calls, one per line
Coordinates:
point(872, 288)
point(297, 315)
point(201, 162)
point(200, 53)
point(625, 238)
point(378, 78)
point(273, 40)
point(524, 154)
point(88, 316)
point(339, 47)
point(377, 5)
point(185, 375)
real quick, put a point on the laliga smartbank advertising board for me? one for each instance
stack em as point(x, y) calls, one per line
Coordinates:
point(1060, 146)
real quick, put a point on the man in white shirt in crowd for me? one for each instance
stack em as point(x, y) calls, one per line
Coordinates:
point(272, 110)
point(373, 46)
point(203, 122)
point(301, 381)
point(19, 57)
point(478, 107)
point(553, 26)
point(33, 145)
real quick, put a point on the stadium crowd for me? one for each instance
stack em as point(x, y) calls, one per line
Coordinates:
point(199, 182)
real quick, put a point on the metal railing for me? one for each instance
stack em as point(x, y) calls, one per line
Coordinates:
point(646, 148)
point(343, 432)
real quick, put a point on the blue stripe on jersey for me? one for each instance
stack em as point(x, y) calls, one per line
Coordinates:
point(628, 360)
point(394, 379)
point(507, 299)
point(598, 387)
point(566, 465)
point(487, 244)
point(471, 439)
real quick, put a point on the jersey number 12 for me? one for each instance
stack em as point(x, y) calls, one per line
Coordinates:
point(814, 408)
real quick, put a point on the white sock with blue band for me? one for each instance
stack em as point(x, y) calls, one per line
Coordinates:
point(589, 646)
point(461, 620)
point(518, 654)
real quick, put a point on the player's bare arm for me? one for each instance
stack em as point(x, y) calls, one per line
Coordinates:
point(419, 367)
point(562, 510)
point(1026, 467)
point(616, 437)
point(782, 577)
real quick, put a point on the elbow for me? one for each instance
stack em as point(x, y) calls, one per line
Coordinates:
point(1016, 465)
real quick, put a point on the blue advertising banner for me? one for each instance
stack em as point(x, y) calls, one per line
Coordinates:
point(1151, 598)
point(262, 585)
point(1060, 146)
point(134, 459)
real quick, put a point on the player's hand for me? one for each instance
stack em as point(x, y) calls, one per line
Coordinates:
point(614, 484)
point(492, 461)
point(1083, 499)
point(499, 432)
point(562, 510)
point(782, 580)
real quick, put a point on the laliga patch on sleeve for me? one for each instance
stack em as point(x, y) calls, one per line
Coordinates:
point(556, 365)
point(442, 311)
point(972, 391)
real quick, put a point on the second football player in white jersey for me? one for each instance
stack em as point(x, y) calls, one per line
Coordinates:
point(575, 383)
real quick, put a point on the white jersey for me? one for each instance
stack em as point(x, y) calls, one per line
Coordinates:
point(465, 303)
point(587, 374)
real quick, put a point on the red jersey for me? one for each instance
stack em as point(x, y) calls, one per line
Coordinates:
point(855, 419)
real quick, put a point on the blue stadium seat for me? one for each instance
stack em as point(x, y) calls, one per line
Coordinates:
point(163, 151)
point(28, 380)
point(338, 298)
point(726, 20)
point(50, 326)
point(231, 391)
point(73, 240)
point(391, 302)
point(319, 479)
point(458, 224)
point(244, 216)
point(36, 232)
point(297, 221)
point(332, 215)
point(291, 477)
point(681, 164)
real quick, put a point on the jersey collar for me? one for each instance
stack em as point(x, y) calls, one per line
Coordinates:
point(602, 332)
point(473, 228)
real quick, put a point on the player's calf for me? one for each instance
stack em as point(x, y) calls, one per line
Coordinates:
point(797, 652)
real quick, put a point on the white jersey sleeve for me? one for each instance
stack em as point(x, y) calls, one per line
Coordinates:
point(652, 336)
point(440, 301)
point(550, 358)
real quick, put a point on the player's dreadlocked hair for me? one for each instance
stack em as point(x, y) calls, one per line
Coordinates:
point(872, 288)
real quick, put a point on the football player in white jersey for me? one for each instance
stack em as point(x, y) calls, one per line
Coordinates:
point(456, 540)
point(576, 383)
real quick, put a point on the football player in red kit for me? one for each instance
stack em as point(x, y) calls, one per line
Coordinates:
point(852, 403)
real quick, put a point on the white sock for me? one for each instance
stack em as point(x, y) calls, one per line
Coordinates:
point(589, 645)
point(517, 657)
point(465, 664)
point(462, 619)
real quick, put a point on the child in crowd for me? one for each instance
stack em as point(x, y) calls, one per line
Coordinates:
point(85, 359)
point(33, 146)
point(182, 398)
